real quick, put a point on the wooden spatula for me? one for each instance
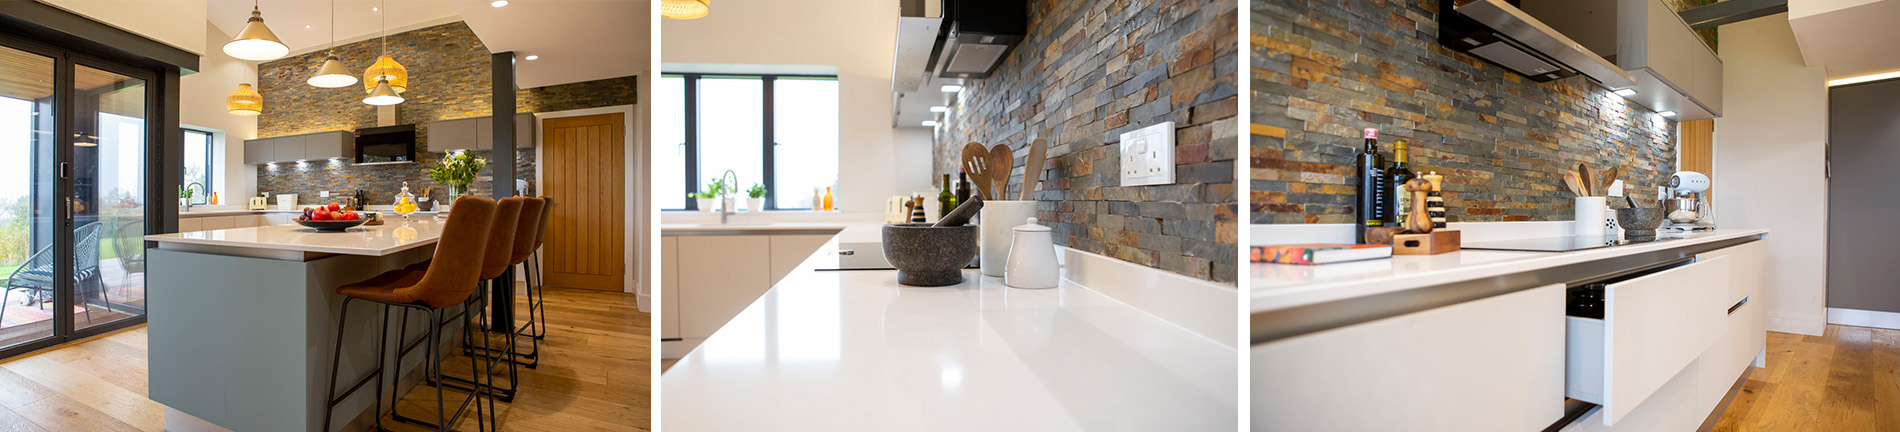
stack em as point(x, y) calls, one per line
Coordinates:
point(1575, 183)
point(1608, 178)
point(1583, 174)
point(1001, 161)
point(973, 166)
point(1032, 167)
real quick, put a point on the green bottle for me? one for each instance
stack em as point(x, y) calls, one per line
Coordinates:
point(946, 200)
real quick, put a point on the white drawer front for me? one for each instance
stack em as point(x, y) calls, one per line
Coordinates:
point(1653, 327)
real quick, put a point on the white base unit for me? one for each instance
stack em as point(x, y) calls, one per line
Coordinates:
point(1653, 326)
point(1492, 364)
point(708, 279)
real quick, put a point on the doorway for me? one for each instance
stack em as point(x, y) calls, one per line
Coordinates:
point(75, 194)
point(583, 172)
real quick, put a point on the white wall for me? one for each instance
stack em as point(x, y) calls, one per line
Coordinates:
point(1770, 154)
point(166, 21)
point(201, 106)
point(910, 154)
point(855, 36)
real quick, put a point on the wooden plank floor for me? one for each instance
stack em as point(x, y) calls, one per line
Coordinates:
point(594, 376)
point(1846, 380)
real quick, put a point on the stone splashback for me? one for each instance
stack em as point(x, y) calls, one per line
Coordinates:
point(448, 79)
point(1322, 70)
point(1091, 70)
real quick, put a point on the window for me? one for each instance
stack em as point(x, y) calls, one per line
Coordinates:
point(780, 131)
point(198, 164)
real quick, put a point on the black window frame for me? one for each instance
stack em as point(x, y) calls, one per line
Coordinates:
point(768, 144)
point(211, 145)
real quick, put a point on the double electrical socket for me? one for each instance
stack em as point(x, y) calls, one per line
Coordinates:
point(1148, 156)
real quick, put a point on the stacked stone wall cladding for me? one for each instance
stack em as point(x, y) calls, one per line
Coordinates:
point(449, 78)
point(1091, 70)
point(1321, 71)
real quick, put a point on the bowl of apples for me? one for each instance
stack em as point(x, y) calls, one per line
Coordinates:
point(332, 217)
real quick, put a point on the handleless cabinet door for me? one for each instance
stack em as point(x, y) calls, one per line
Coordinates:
point(259, 151)
point(719, 276)
point(191, 224)
point(458, 134)
point(669, 287)
point(288, 149)
point(788, 251)
point(1491, 364)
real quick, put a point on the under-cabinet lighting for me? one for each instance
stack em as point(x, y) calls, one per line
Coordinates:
point(533, 57)
point(930, 122)
point(952, 88)
point(1863, 78)
point(1667, 113)
point(1626, 92)
point(940, 108)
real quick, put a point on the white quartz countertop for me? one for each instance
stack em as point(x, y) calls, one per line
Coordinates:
point(753, 228)
point(852, 350)
point(1281, 286)
point(395, 235)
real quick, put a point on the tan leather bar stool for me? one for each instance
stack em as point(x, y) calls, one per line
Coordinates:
point(534, 216)
point(536, 327)
point(495, 263)
point(445, 285)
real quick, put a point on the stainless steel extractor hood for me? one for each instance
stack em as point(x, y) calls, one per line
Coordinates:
point(1501, 33)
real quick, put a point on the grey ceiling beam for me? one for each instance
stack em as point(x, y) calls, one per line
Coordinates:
point(1731, 11)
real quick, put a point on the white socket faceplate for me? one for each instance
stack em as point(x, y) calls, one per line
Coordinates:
point(1148, 156)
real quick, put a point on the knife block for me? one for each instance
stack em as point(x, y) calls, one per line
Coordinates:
point(1433, 243)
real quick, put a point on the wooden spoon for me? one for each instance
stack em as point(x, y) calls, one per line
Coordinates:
point(1032, 167)
point(1583, 173)
point(1576, 183)
point(1609, 178)
point(1001, 161)
point(973, 166)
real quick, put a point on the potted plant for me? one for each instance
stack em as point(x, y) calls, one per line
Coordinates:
point(705, 200)
point(457, 170)
point(755, 198)
point(717, 189)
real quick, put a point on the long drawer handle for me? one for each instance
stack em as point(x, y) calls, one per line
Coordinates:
point(1738, 305)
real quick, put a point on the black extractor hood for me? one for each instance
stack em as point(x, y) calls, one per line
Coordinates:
point(980, 34)
point(1500, 32)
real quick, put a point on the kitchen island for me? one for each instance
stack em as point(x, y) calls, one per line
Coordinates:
point(241, 336)
point(1116, 346)
point(1643, 337)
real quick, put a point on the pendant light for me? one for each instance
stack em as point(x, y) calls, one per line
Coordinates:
point(383, 95)
point(256, 42)
point(685, 9)
point(385, 71)
point(333, 74)
point(244, 101)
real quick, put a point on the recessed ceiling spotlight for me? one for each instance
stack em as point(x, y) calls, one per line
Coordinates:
point(498, 3)
point(1626, 92)
point(952, 88)
point(940, 108)
point(533, 57)
point(306, 27)
point(930, 122)
point(1667, 113)
point(375, 9)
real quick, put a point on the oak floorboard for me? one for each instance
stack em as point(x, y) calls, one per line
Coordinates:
point(1846, 380)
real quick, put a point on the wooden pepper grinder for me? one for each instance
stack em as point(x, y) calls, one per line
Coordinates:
point(1418, 219)
point(1435, 200)
point(917, 209)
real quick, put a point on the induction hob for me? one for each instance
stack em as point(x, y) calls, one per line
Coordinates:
point(1559, 244)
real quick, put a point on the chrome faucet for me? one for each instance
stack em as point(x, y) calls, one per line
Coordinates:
point(187, 199)
point(725, 202)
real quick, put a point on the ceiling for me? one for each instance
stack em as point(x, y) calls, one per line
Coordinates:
point(1857, 38)
point(576, 40)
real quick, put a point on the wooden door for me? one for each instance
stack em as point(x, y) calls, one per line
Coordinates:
point(583, 173)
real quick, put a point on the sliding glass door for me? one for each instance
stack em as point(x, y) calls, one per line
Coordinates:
point(74, 195)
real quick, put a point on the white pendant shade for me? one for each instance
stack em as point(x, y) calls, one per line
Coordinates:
point(333, 75)
point(383, 95)
point(256, 42)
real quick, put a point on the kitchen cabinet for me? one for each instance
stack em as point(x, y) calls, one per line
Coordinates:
point(669, 288)
point(719, 276)
point(1653, 327)
point(219, 222)
point(1493, 364)
point(291, 148)
point(191, 224)
point(477, 133)
point(788, 251)
point(278, 218)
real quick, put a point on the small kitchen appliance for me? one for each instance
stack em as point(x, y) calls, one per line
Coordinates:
point(1688, 205)
point(259, 202)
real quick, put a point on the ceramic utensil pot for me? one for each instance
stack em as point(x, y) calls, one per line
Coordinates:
point(1639, 223)
point(1032, 257)
point(929, 256)
point(1589, 216)
point(997, 218)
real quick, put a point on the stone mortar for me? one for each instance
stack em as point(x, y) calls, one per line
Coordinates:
point(929, 256)
point(1639, 223)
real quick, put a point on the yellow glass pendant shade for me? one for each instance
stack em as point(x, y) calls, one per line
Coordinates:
point(685, 9)
point(386, 68)
point(244, 101)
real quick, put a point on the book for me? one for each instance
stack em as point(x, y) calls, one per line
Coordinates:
point(1314, 254)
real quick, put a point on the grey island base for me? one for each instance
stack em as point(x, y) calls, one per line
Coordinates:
point(240, 339)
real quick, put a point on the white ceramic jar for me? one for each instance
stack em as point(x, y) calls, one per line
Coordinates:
point(1589, 217)
point(1032, 258)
